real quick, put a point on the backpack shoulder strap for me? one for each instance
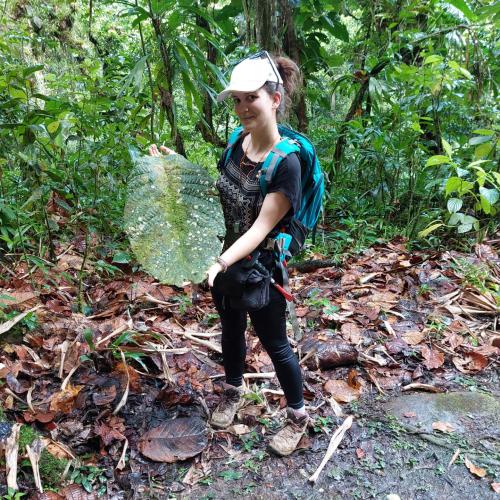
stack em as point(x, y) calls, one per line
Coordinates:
point(273, 159)
point(235, 136)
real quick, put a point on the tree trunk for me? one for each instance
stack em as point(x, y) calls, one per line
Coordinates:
point(166, 93)
point(292, 49)
point(249, 14)
point(265, 25)
point(206, 125)
point(354, 109)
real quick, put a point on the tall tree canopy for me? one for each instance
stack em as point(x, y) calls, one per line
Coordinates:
point(400, 98)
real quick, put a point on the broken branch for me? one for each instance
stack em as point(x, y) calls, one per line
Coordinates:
point(334, 443)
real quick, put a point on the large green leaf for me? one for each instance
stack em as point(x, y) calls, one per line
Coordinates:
point(462, 6)
point(173, 218)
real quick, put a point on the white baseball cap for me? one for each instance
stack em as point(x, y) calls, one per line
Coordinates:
point(251, 74)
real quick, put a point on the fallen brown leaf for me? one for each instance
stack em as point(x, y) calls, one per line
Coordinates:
point(433, 359)
point(104, 396)
point(443, 426)
point(76, 492)
point(174, 440)
point(239, 429)
point(474, 469)
point(414, 337)
point(353, 380)
point(472, 362)
point(63, 400)
point(341, 391)
point(351, 333)
point(111, 430)
point(476, 361)
point(134, 378)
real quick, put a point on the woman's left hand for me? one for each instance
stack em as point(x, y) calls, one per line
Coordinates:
point(212, 272)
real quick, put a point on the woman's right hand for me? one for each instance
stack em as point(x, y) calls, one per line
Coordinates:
point(153, 150)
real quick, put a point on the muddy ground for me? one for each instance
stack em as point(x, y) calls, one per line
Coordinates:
point(390, 449)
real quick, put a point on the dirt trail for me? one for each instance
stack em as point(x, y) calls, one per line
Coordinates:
point(384, 453)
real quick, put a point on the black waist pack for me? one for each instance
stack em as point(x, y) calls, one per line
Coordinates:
point(246, 284)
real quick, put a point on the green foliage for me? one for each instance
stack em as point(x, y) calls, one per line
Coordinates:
point(230, 475)
point(250, 440)
point(90, 477)
point(51, 469)
point(323, 424)
point(473, 189)
point(13, 495)
point(401, 100)
point(478, 275)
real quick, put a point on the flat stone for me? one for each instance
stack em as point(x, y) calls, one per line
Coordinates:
point(466, 411)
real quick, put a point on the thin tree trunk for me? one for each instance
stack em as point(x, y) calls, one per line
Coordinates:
point(353, 110)
point(206, 124)
point(249, 14)
point(265, 25)
point(166, 94)
point(150, 78)
point(292, 49)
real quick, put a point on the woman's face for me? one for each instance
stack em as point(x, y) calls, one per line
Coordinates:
point(255, 109)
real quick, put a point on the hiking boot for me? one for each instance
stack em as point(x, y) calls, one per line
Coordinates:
point(231, 402)
point(286, 440)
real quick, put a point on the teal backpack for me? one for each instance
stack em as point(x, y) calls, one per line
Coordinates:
point(312, 181)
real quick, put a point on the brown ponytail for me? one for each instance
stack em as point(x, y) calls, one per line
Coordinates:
point(290, 73)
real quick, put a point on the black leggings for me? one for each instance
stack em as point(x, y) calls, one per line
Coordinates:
point(270, 326)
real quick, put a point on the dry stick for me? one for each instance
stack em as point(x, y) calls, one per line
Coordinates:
point(422, 387)
point(115, 332)
point(158, 301)
point(14, 395)
point(454, 457)
point(123, 400)
point(160, 348)
point(334, 442)
point(64, 350)
point(372, 359)
point(29, 400)
point(205, 335)
point(11, 450)
point(34, 451)
point(367, 278)
point(275, 392)
point(121, 463)
point(64, 253)
point(311, 353)
point(268, 375)
point(166, 369)
point(206, 343)
point(5, 327)
point(66, 470)
point(70, 374)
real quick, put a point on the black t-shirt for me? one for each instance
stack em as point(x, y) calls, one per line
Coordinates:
point(240, 193)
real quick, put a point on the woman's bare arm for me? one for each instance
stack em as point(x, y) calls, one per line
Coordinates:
point(274, 208)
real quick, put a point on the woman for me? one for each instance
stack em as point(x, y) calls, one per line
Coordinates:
point(260, 88)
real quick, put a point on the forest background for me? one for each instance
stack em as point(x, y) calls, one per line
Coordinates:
point(400, 99)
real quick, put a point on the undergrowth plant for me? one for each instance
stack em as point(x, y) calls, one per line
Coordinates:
point(472, 189)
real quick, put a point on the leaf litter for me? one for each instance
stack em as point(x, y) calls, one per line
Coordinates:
point(387, 320)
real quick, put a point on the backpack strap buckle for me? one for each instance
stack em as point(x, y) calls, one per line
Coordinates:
point(268, 244)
